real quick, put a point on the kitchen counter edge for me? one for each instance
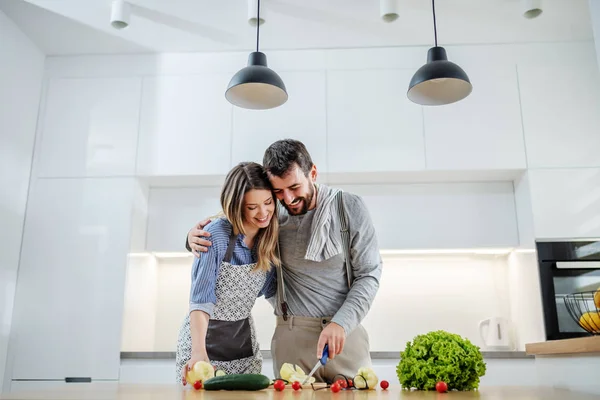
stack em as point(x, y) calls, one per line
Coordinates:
point(375, 355)
point(584, 345)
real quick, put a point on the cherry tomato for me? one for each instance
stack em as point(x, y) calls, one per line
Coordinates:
point(279, 385)
point(296, 385)
point(342, 382)
point(335, 387)
point(441, 387)
point(198, 385)
point(384, 384)
point(350, 383)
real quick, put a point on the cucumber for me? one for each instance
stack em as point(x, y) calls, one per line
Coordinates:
point(237, 382)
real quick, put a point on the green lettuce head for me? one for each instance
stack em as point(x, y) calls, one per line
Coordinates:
point(440, 356)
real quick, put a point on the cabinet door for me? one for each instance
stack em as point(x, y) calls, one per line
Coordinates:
point(69, 299)
point(561, 115)
point(565, 203)
point(172, 212)
point(301, 118)
point(185, 126)
point(89, 128)
point(371, 125)
point(441, 215)
point(482, 131)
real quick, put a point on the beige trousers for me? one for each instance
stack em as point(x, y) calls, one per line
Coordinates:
point(295, 342)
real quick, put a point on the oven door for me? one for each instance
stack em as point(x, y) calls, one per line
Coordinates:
point(561, 278)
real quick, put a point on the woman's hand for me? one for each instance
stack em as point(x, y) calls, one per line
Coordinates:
point(196, 356)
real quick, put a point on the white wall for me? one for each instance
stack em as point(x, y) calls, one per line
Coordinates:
point(21, 72)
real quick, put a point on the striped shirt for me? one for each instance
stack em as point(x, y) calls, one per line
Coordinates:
point(206, 268)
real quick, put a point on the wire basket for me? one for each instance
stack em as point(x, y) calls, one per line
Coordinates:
point(584, 311)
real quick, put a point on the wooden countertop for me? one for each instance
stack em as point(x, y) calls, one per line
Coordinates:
point(583, 345)
point(150, 392)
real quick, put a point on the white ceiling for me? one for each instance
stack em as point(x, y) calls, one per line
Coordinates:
point(61, 27)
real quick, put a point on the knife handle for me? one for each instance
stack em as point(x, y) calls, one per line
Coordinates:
point(325, 355)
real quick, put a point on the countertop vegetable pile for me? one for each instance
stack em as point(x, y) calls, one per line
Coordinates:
point(440, 356)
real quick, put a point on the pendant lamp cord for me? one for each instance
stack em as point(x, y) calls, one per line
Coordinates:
point(434, 23)
point(257, 25)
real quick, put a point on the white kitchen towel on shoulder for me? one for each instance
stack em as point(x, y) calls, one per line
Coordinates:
point(325, 242)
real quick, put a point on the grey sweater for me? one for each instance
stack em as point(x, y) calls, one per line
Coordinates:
point(320, 289)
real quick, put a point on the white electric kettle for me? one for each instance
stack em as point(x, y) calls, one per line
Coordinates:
point(495, 333)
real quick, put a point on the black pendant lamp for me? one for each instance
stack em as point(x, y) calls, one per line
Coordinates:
point(440, 81)
point(256, 86)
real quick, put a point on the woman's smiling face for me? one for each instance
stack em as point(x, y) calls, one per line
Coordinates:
point(259, 206)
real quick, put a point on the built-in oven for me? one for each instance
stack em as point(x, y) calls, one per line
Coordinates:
point(570, 284)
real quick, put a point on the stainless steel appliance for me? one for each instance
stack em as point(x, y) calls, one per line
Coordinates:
point(567, 268)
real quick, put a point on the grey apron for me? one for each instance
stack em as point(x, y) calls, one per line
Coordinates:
point(231, 342)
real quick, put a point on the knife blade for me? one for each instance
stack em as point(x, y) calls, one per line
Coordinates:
point(322, 361)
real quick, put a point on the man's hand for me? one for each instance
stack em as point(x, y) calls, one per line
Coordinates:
point(195, 240)
point(335, 336)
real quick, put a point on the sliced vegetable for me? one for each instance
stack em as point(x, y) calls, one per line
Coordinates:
point(238, 382)
point(286, 371)
point(360, 382)
point(293, 373)
point(220, 372)
point(342, 382)
point(201, 371)
point(366, 379)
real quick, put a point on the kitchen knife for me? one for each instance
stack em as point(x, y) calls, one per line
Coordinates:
point(322, 361)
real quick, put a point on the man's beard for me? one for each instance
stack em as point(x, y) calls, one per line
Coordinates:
point(305, 201)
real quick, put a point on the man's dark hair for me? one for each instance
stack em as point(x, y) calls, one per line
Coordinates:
point(283, 154)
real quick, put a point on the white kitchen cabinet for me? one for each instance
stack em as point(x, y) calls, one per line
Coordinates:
point(484, 130)
point(561, 117)
point(371, 125)
point(89, 127)
point(565, 203)
point(69, 298)
point(441, 215)
point(172, 212)
point(185, 126)
point(302, 118)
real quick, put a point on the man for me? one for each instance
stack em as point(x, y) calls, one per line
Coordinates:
point(321, 308)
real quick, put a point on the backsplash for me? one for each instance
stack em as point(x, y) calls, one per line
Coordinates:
point(418, 293)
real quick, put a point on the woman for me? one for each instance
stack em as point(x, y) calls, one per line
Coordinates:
point(228, 278)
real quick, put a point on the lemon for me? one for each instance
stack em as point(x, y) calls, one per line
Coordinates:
point(591, 321)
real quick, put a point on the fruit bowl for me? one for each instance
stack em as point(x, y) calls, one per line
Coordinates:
point(583, 308)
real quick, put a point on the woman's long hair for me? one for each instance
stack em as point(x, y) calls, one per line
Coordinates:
point(242, 178)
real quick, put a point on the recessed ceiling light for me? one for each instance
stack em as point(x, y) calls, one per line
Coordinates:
point(388, 10)
point(531, 8)
point(119, 15)
point(253, 16)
